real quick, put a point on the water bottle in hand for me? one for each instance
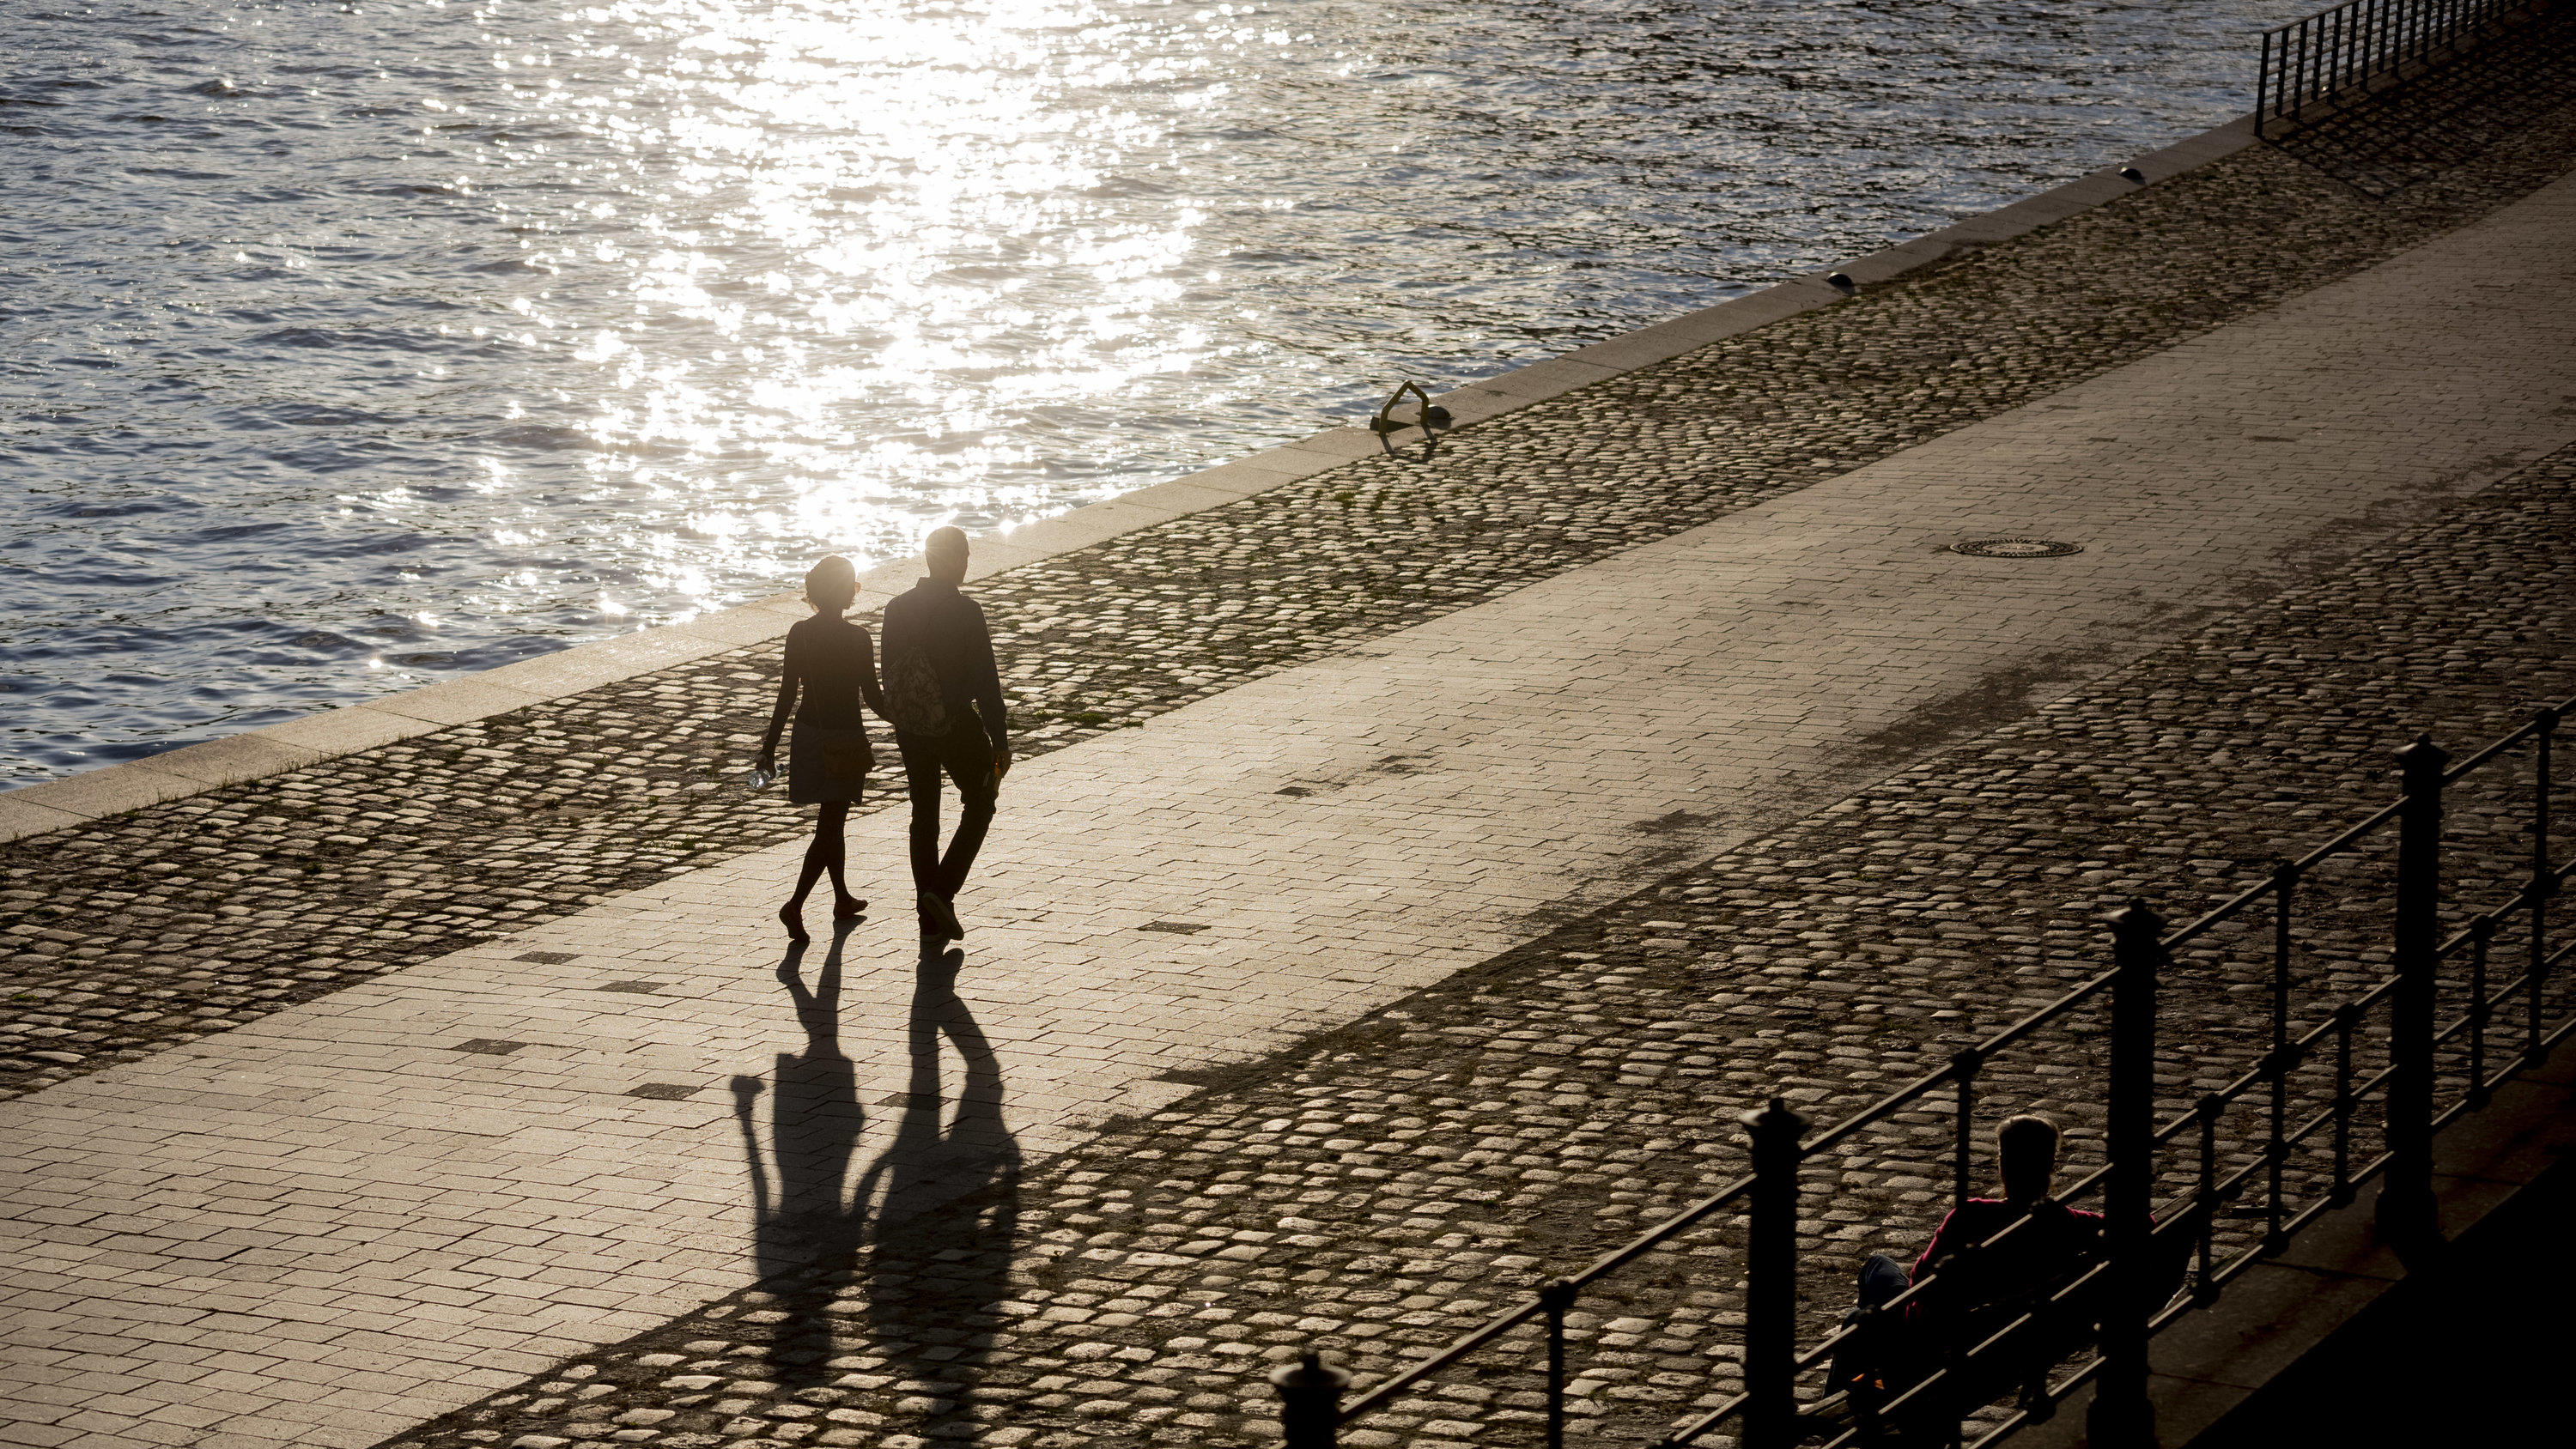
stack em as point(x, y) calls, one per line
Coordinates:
point(762, 776)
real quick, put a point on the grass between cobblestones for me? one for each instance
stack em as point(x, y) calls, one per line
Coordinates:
point(155, 927)
point(1383, 1187)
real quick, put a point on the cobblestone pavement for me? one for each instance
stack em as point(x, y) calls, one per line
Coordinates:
point(153, 928)
point(1381, 1188)
point(318, 1173)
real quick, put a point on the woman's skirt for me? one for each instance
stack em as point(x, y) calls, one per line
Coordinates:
point(827, 766)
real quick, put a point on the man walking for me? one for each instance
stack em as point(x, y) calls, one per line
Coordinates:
point(944, 698)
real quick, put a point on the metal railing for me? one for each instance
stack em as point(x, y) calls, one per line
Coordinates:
point(2341, 52)
point(2307, 1092)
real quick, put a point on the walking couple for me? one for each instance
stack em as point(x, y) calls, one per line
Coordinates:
point(941, 693)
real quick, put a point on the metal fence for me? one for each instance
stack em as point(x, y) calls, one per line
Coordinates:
point(2301, 1111)
point(2341, 52)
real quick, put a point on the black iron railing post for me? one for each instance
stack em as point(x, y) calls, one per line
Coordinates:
point(1310, 1401)
point(2204, 1284)
point(1555, 1297)
point(2262, 84)
point(2481, 940)
point(2346, 1017)
point(2277, 1062)
point(1771, 1279)
point(2406, 1197)
point(2543, 884)
point(2295, 94)
point(2121, 1417)
point(2338, 41)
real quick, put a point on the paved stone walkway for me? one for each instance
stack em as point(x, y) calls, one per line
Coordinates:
point(150, 929)
point(1381, 1187)
point(353, 1214)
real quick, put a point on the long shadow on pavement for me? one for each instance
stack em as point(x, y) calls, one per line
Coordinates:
point(917, 1251)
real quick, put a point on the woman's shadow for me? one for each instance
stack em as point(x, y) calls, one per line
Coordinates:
point(919, 1248)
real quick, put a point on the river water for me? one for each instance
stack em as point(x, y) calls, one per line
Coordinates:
point(348, 346)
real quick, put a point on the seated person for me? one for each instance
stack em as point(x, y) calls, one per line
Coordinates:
point(1981, 1288)
point(2036, 1258)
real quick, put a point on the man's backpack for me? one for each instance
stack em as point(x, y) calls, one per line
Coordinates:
point(914, 700)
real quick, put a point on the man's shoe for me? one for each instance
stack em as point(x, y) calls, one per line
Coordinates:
point(939, 918)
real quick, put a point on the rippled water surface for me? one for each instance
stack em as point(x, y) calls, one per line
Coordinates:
point(343, 347)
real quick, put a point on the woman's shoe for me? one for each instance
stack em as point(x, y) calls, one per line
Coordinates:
point(938, 917)
point(849, 908)
point(794, 920)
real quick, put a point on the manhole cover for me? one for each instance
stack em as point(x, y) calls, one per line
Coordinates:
point(2016, 548)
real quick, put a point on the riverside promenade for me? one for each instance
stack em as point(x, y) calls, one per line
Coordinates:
point(1416, 867)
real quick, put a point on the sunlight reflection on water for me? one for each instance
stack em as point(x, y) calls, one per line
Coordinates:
point(356, 347)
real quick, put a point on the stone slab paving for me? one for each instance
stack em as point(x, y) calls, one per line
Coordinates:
point(370, 1207)
point(149, 929)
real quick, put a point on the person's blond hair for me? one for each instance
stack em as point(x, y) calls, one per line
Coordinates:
point(832, 583)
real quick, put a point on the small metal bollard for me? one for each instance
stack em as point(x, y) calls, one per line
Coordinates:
point(1310, 1401)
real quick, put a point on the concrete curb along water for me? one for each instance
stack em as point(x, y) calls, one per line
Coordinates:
point(277, 749)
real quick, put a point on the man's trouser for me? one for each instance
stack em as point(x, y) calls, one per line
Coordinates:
point(967, 757)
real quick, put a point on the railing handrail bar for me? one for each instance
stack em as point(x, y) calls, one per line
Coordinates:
point(2352, 833)
point(1619, 1258)
point(1512, 1318)
point(2361, 1090)
point(2498, 915)
point(2324, 1117)
point(2299, 1045)
point(1475, 1338)
point(2531, 726)
point(1986, 1047)
point(2270, 883)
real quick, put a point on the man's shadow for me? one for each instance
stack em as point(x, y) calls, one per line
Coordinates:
point(919, 1248)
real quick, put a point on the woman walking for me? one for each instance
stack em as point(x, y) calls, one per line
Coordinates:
point(833, 663)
